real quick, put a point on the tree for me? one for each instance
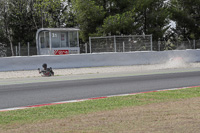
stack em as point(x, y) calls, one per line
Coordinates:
point(186, 14)
point(6, 31)
point(68, 15)
point(153, 15)
point(119, 19)
point(54, 13)
point(89, 16)
point(120, 24)
point(21, 21)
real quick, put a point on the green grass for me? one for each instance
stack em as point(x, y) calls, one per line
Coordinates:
point(70, 109)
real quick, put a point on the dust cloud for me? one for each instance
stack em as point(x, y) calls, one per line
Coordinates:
point(176, 62)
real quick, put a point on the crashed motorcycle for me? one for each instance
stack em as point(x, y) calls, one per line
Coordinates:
point(46, 72)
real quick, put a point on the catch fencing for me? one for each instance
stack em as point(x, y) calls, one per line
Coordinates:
point(18, 50)
point(136, 43)
point(109, 44)
point(176, 45)
point(120, 43)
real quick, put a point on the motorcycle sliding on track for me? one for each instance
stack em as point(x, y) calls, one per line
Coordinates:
point(46, 72)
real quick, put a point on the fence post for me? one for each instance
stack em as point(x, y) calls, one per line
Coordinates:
point(194, 44)
point(123, 47)
point(16, 50)
point(90, 45)
point(85, 47)
point(159, 44)
point(151, 43)
point(115, 44)
point(28, 49)
point(19, 49)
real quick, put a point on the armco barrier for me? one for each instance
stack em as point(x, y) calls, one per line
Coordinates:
point(95, 60)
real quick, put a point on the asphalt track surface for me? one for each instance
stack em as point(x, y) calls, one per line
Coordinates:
point(35, 91)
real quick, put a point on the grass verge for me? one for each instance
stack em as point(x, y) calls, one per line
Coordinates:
point(62, 111)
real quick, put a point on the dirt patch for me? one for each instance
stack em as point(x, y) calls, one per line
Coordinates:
point(182, 116)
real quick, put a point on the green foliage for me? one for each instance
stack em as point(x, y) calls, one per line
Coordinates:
point(50, 11)
point(186, 14)
point(154, 17)
point(120, 23)
point(20, 19)
point(89, 16)
point(122, 17)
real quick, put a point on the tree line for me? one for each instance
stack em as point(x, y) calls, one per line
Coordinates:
point(164, 19)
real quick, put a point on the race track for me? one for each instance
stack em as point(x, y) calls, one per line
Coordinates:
point(34, 91)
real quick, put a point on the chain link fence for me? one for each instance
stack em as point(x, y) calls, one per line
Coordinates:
point(136, 43)
point(120, 43)
point(18, 50)
point(176, 45)
point(22, 51)
point(111, 44)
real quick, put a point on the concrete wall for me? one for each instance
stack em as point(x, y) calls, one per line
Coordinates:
point(94, 60)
